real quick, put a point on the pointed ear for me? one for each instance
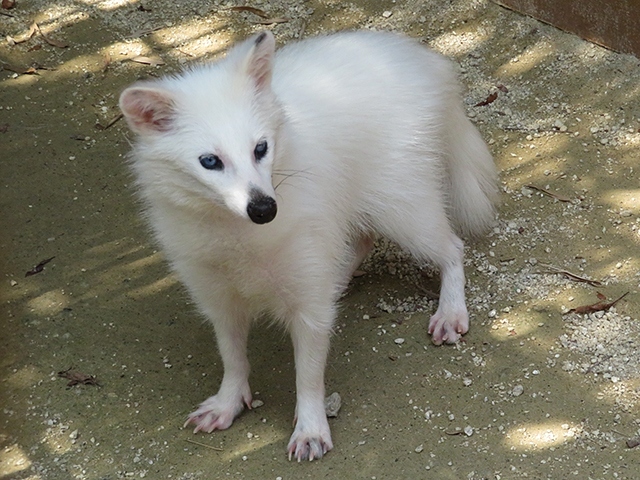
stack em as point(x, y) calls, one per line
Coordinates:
point(148, 109)
point(258, 60)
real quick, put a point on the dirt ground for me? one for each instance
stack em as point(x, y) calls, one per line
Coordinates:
point(535, 390)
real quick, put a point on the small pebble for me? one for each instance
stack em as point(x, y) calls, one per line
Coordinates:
point(399, 341)
point(332, 405)
point(517, 390)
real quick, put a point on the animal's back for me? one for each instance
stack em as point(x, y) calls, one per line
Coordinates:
point(382, 108)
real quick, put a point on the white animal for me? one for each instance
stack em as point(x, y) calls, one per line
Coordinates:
point(266, 177)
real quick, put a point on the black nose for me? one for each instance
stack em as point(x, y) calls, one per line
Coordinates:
point(261, 208)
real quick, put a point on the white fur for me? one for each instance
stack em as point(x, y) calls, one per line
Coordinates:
point(366, 136)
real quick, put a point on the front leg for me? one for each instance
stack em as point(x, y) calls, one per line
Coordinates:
point(219, 411)
point(230, 318)
point(311, 437)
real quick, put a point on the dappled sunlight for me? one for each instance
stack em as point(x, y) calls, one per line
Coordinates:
point(14, 460)
point(109, 5)
point(625, 201)
point(57, 440)
point(533, 437)
point(195, 37)
point(255, 443)
point(25, 377)
point(529, 59)
point(56, 16)
point(49, 303)
point(109, 306)
point(456, 44)
point(154, 288)
point(114, 247)
point(505, 330)
point(522, 164)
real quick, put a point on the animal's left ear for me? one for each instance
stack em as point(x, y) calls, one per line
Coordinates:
point(258, 59)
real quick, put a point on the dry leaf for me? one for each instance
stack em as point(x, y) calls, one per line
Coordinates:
point(490, 99)
point(598, 306)
point(78, 378)
point(32, 30)
point(39, 267)
point(153, 61)
point(51, 41)
point(8, 4)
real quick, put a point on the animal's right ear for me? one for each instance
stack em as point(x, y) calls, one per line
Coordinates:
point(255, 58)
point(148, 109)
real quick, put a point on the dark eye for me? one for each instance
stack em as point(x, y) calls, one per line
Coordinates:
point(211, 162)
point(261, 150)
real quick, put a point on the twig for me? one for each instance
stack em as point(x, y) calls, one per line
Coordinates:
point(560, 198)
point(204, 445)
point(572, 276)
point(99, 126)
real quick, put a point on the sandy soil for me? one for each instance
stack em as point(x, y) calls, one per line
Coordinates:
point(534, 390)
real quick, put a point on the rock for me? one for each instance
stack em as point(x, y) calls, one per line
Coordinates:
point(332, 405)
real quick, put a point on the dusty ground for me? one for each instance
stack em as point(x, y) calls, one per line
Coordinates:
point(533, 390)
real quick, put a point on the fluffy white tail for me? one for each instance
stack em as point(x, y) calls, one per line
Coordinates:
point(472, 176)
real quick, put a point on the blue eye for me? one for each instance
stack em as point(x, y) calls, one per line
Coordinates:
point(211, 162)
point(261, 150)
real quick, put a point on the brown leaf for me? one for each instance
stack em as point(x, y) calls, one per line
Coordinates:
point(51, 41)
point(8, 4)
point(153, 61)
point(490, 99)
point(502, 88)
point(255, 11)
point(32, 30)
point(78, 378)
point(598, 306)
point(39, 267)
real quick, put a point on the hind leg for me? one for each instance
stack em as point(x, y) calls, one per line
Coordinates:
point(451, 320)
point(428, 235)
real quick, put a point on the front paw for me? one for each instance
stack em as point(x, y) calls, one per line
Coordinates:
point(447, 327)
point(216, 413)
point(310, 443)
